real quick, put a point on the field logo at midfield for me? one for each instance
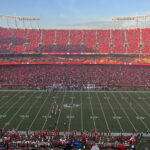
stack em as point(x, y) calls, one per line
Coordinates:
point(71, 105)
point(94, 117)
point(70, 117)
point(140, 118)
point(24, 116)
point(3, 116)
point(47, 117)
point(117, 117)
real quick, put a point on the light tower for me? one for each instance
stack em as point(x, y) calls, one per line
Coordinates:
point(14, 21)
point(141, 20)
point(22, 19)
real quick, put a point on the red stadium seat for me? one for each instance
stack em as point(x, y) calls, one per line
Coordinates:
point(74, 41)
point(118, 40)
point(19, 40)
point(133, 40)
point(103, 39)
point(5, 40)
point(146, 41)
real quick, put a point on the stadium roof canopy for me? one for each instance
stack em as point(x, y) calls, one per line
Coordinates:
point(128, 22)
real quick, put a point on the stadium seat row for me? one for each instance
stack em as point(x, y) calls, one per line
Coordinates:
point(77, 41)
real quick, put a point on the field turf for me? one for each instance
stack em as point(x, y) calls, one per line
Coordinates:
point(121, 112)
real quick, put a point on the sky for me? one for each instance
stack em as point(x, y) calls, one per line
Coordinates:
point(66, 12)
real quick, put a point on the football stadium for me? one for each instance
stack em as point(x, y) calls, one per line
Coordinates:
point(78, 87)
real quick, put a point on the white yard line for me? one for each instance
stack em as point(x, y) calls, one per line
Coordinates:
point(137, 115)
point(60, 110)
point(9, 100)
point(92, 112)
point(70, 113)
point(38, 112)
point(31, 106)
point(116, 99)
point(49, 112)
point(146, 94)
point(114, 113)
point(143, 100)
point(2, 93)
point(18, 99)
point(81, 113)
point(1, 99)
point(103, 112)
point(139, 105)
point(2, 96)
point(18, 110)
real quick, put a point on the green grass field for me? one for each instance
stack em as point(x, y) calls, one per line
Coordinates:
point(115, 111)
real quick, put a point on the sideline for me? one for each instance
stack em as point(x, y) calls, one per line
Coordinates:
point(79, 133)
point(1, 90)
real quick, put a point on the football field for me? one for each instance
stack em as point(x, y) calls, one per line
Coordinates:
point(120, 112)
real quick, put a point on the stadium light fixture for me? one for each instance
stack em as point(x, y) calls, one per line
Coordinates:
point(19, 18)
point(131, 18)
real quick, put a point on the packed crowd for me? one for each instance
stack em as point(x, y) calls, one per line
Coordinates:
point(66, 140)
point(75, 75)
point(77, 41)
